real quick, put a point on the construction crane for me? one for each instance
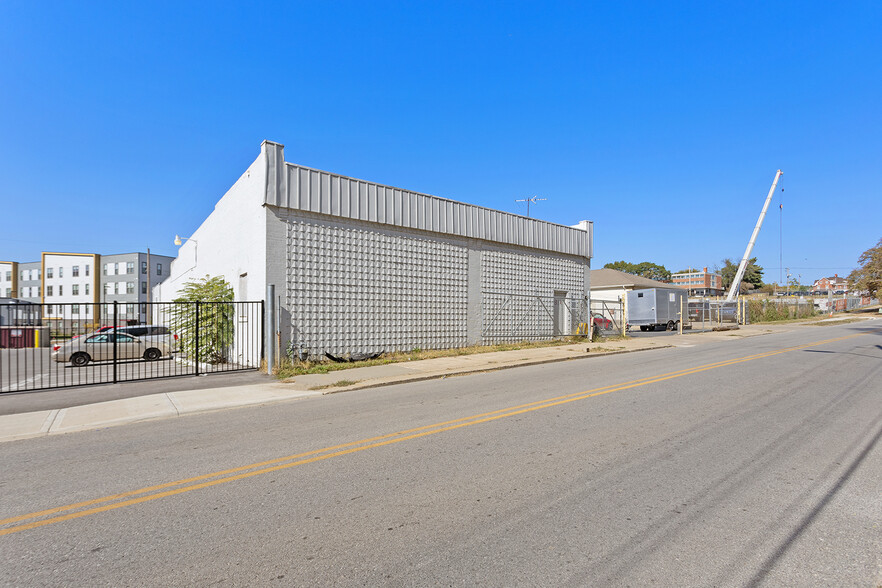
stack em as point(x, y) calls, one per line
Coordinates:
point(736, 283)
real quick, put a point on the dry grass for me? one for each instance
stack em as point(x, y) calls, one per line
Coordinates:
point(289, 369)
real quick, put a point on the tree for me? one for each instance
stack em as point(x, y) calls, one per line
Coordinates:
point(645, 269)
point(211, 300)
point(753, 274)
point(869, 275)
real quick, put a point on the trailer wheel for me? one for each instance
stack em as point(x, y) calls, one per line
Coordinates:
point(644, 328)
point(669, 326)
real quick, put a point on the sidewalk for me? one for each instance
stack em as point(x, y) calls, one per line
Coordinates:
point(175, 404)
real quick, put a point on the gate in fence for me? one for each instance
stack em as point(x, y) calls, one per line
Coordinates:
point(524, 317)
point(59, 345)
point(607, 315)
point(704, 313)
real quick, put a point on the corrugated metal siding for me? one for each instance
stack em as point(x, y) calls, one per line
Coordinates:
point(302, 188)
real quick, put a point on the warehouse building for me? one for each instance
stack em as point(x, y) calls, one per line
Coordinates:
point(360, 267)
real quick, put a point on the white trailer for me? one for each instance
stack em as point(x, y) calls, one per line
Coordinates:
point(652, 308)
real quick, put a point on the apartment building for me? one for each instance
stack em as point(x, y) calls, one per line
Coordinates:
point(703, 283)
point(71, 286)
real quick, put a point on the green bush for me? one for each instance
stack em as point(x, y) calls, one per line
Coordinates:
point(216, 325)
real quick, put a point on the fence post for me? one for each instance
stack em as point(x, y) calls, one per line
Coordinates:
point(680, 322)
point(270, 327)
point(115, 323)
point(196, 328)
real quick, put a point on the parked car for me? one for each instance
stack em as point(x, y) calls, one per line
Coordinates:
point(98, 330)
point(151, 333)
point(601, 321)
point(107, 328)
point(100, 347)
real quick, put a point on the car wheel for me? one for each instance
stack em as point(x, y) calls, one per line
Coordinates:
point(80, 359)
point(152, 354)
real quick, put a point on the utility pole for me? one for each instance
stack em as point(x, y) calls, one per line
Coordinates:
point(149, 287)
point(533, 199)
point(736, 283)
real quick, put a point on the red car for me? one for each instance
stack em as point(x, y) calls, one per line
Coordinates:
point(599, 320)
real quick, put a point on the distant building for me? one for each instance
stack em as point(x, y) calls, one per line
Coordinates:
point(831, 284)
point(703, 283)
point(8, 279)
point(69, 285)
point(609, 284)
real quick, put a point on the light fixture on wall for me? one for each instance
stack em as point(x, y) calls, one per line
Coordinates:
point(180, 241)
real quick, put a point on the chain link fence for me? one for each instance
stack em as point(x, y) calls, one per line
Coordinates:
point(607, 316)
point(509, 318)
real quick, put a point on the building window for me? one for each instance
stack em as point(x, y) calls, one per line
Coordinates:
point(130, 287)
point(60, 272)
point(105, 269)
point(158, 269)
point(143, 267)
point(87, 269)
point(130, 267)
point(107, 288)
point(48, 290)
point(130, 310)
point(116, 287)
point(116, 269)
point(48, 309)
point(8, 276)
point(75, 271)
point(8, 292)
point(75, 309)
point(143, 287)
point(60, 290)
point(48, 273)
point(75, 290)
point(87, 287)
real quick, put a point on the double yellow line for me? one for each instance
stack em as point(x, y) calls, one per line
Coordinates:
point(133, 497)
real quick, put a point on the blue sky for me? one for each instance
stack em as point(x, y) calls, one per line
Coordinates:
point(122, 124)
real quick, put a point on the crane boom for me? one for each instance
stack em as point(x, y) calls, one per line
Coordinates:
point(736, 283)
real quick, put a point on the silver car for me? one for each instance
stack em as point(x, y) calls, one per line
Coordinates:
point(99, 347)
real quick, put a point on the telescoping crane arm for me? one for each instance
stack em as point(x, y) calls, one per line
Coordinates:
point(736, 283)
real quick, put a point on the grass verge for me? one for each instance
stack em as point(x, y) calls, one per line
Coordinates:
point(289, 368)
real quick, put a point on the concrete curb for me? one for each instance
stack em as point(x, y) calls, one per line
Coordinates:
point(483, 370)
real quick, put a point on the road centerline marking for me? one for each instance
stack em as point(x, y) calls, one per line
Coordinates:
point(167, 489)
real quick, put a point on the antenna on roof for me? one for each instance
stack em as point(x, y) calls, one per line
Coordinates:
point(533, 199)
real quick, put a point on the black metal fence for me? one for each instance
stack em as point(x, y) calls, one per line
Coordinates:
point(58, 345)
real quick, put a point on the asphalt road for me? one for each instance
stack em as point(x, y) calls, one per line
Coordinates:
point(31, 369)
point(742, 462)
